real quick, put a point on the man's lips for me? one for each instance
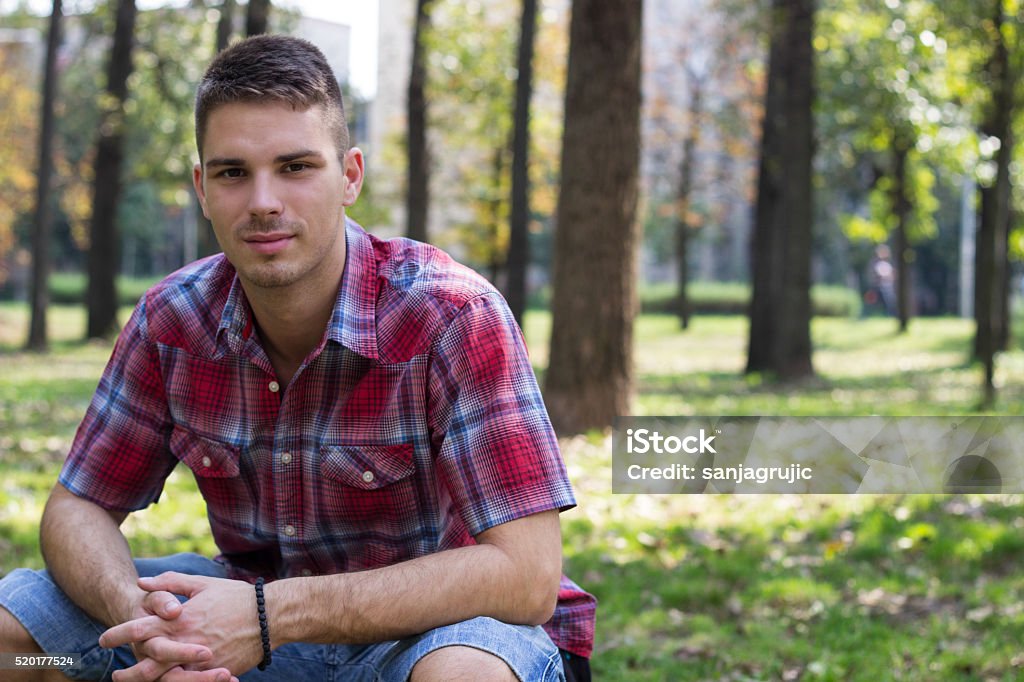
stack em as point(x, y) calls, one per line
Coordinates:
point(268, 242)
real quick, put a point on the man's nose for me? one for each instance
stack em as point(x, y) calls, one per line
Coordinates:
point(265, 197)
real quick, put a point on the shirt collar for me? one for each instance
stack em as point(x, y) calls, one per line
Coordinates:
point(353, 322)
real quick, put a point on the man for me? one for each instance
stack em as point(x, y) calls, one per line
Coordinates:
point(360, 417)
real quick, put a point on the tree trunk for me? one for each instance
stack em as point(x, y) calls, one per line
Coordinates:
point(43, 221)
point(256, 17)
point(1006, 295)
point(225, 24)
point(780, 311)
point(494, 206)
point(206, 240)
point(518, 260)
point(103, 261)
point(589, 379)
point(901, 210)
point(684, 192)
point(991, 266)
point(418, 178)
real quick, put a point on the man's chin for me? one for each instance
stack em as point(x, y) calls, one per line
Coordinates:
point(273, 277)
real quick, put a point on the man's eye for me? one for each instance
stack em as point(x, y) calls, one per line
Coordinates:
point(232, 173)
point(295, 167)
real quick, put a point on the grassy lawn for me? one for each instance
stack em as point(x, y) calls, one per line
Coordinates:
point(759, 587)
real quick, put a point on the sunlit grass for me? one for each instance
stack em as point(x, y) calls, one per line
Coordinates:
point(701, 587)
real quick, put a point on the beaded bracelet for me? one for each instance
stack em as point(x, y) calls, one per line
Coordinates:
point(261, 607)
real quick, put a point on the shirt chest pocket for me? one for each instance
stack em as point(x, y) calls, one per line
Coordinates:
point(366, 467)
point(370, 489)
point(229, 497)
point(205, 457)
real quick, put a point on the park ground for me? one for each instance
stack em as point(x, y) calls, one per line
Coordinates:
point(700, 587)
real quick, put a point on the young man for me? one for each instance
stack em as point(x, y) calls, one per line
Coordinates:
point(360, 416)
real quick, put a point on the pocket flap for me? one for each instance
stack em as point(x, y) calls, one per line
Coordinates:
point(367, 467)
point(205, 457)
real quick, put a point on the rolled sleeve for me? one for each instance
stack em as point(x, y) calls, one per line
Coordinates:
point(498, 454)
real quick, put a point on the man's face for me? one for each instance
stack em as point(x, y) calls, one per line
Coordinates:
point(273, 187)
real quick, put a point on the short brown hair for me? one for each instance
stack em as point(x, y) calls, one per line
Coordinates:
point(277, 68)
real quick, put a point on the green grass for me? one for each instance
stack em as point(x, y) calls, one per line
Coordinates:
point(69, 288)
point(759, 587)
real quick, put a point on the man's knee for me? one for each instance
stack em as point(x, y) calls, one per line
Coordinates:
point(459, 663)
point(13, 636)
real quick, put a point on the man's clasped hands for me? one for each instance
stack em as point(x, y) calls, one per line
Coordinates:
point(204, 639)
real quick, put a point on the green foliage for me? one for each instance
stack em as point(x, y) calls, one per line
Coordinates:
point(471, 81)
point(885, 81)
point(471, 52)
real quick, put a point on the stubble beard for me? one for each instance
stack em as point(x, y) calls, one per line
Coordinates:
point(275, 271)
point(278, 271)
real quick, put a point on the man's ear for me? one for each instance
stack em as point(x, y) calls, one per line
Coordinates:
point(353, 175)
point(197, 182)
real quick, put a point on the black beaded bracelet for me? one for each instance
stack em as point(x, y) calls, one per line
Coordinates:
point(261, 607)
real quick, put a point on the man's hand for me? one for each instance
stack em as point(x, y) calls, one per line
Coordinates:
point(161, 655)
point(216, 628)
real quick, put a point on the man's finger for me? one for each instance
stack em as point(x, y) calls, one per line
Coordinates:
point(138, 630)
point(163, 604)
point(171, 652)
point(215, 675)
point(177, 583)
point(146, 670)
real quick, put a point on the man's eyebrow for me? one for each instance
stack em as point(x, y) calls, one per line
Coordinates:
point(225, 161)
point(295, 156)
point(282, 158)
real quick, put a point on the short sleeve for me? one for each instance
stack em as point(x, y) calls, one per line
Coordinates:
point(120, 456)
point(497, 452)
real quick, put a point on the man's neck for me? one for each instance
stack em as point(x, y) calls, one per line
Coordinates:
point(291, 322)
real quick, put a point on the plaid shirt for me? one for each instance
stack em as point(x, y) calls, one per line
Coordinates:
point(413, 426)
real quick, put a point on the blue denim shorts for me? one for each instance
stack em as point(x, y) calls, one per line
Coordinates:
point(58, 626)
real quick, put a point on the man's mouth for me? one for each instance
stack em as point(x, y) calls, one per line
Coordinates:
point(268, 242)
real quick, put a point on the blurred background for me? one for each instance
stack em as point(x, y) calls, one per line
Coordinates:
point(693, 207)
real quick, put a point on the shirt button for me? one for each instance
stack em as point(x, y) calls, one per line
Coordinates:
point(207, 462)
point(306, 572)
point(289, 530)
point(286, 458)
point(274, 386)
point(368, 476)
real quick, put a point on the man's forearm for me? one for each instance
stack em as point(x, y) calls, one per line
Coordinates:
point(419, 595)
point(89, 557)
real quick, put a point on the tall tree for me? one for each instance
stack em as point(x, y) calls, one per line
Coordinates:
point(256, 17)
point(780, 309)
point(205, 239)
point(589, 379)
point(417, 203)
point(225, 23)
point(886, 110)
point(684, 195)
point(471, 84)
point(103, 260)
point(519, 235)
point(991, 265)
point(42, 223)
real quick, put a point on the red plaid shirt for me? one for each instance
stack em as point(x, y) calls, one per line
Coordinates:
point(413, 426)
